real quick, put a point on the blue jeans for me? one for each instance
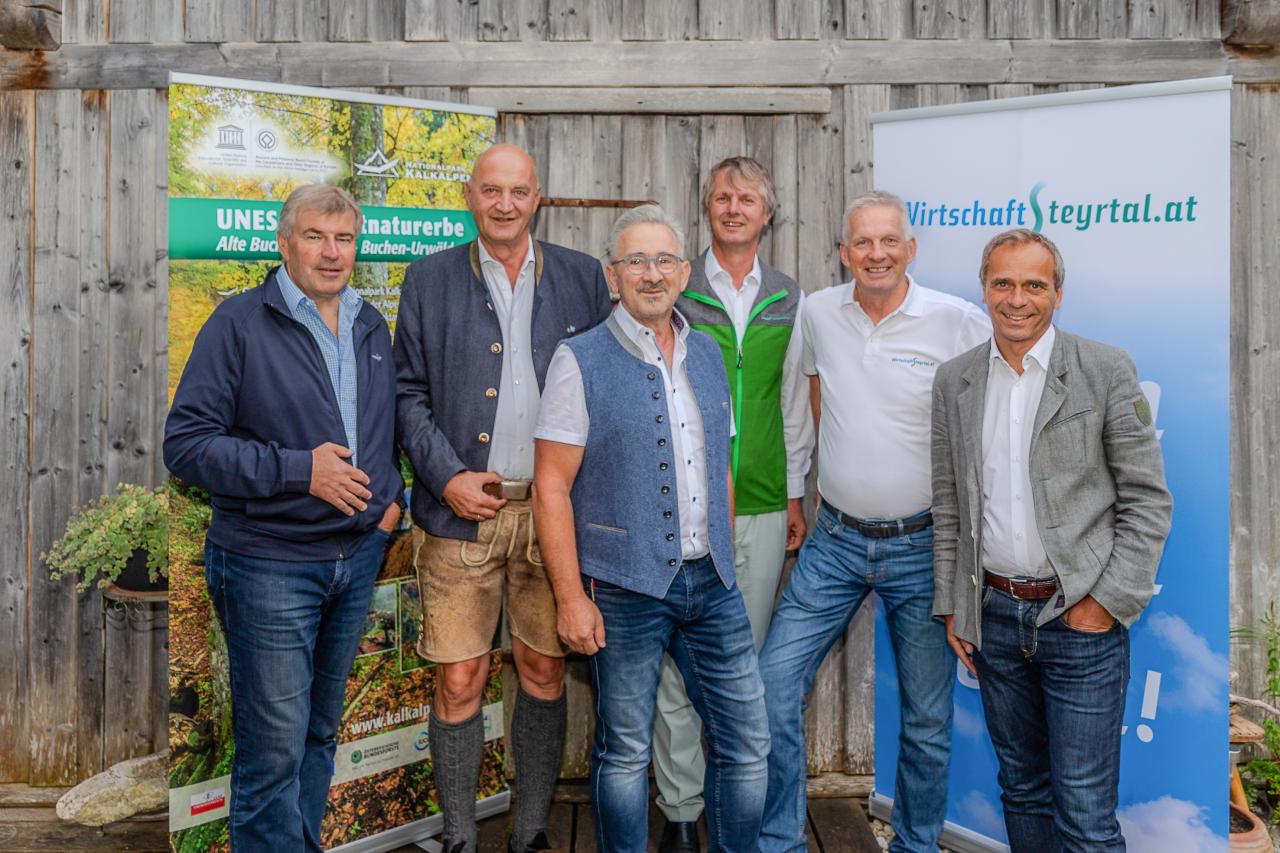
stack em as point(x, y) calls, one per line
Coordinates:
point(704, 628)
point(1054, 700)
point(292, 629)
point(837, 568)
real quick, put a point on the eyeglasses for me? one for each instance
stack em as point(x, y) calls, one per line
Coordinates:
point(638, 262)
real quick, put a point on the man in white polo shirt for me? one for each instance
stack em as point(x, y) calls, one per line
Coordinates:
point(871, 348)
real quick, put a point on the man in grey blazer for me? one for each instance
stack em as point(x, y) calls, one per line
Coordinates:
point(1050, 514)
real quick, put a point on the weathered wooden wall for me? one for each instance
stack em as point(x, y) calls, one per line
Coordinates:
point(616, 99)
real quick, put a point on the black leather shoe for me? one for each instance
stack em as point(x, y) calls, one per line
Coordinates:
point(539, 844)
point(447, 846)
point(680, 837)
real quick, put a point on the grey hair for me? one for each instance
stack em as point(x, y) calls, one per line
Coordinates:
point(877, 198)
point(322, 198)
point(644, 214)
point(1019, 237)
point(740, 169)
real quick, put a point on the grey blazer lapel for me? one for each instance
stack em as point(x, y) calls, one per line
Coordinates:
point(1055, 389)
point(972, 401)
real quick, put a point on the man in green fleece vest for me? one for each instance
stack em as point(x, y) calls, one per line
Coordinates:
point(750, 309)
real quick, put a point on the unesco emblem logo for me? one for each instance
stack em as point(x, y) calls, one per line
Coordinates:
point(267, 140)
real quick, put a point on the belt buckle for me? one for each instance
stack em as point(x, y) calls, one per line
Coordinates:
point(511, 490)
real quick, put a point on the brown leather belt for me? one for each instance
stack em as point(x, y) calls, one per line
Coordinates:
point(1024, 590)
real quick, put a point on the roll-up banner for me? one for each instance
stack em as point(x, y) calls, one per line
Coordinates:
point(1132, 183)
point(236, 150)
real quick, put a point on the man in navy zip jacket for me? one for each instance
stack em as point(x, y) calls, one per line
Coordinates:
point(478, 325)
point(285, 414)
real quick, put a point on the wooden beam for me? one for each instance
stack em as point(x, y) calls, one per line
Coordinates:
point(31, 24)
point(616, 64)
point(1251, 22)
point(745, 100)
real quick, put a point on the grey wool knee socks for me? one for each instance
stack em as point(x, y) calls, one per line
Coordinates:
point(456, 750)
point(537, 739)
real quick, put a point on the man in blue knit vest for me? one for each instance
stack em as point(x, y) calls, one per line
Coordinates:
point(477, 328)
point(634, 506)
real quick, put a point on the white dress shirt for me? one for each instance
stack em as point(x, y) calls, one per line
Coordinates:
point(564, 418)
point(1011, 544)
point(511, 448)
point(797, 421)
point(874, 437)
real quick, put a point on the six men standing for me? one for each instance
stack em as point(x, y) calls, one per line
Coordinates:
point(669, 449)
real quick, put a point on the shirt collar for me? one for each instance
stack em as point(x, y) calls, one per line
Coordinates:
point(1039, 353)
point(295, 299)
point(486, 258)
point(911, 304)
point(712, 269)
point(632, 328)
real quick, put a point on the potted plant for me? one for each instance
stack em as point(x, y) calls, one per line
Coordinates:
point(120, 539)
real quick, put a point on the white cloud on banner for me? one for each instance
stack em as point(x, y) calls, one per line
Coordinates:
point(1168, 825)
point(969, 724)
point(981, 814)
point(1199, 672)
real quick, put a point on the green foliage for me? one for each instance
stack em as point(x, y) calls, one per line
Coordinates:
point(1261, 776)
point(102, 535)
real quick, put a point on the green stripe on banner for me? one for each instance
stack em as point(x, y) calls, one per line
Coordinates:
point(225, 229)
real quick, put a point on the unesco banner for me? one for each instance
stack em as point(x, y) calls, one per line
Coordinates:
point(1132, 183)
point(236, 150)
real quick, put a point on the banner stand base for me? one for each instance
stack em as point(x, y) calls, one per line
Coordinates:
point(957, 838)
point(422, 832)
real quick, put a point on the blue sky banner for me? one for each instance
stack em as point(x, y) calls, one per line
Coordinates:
point(1132, 183)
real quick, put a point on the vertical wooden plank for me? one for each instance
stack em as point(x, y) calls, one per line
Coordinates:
point(386, 21)
point(659, 20)
point(349, 20)
point(1091, 19)
point(1157, 19)
point(1030, 19)
point(758, 145)
point(723, 19)
point(878, 19)
point(91, 399)
point(569, 20)
point(821, 157)
point(860, 102)
point(54, 617)
point(644, 175)
point(159, 636)
point(1009, 90)
point(798, 19)
point(949, 19)
point(293, 20)
point(784, 233)
point(1255, 377)
point(498, 21)
point(569, 173)
point(606, 20)
point(424, 20)
point(534, 20)
point(16, 199)
point(215, 21)
point(131, 426)
point(722, 136)
point(83, 22)
point(683, 171)
point(129, 21)
point(461, 19)
point(606, 181)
